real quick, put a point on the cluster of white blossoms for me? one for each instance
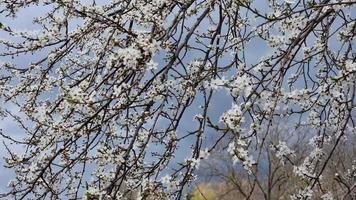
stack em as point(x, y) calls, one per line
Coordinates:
point(168, 182)
point(113, 86)
point(195, 161)
point(239, 153)
point(216, 84)
point(233, 118)
point(283, 151)
point(304, 194)
point(306, 169)
point(241, 85)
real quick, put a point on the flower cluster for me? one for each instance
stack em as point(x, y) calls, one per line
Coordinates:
point(282, 151)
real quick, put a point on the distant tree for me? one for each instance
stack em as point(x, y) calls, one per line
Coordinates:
point(277, 175)
point(108, 91)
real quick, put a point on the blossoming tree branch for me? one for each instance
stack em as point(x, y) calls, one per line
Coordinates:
point(108, 87)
